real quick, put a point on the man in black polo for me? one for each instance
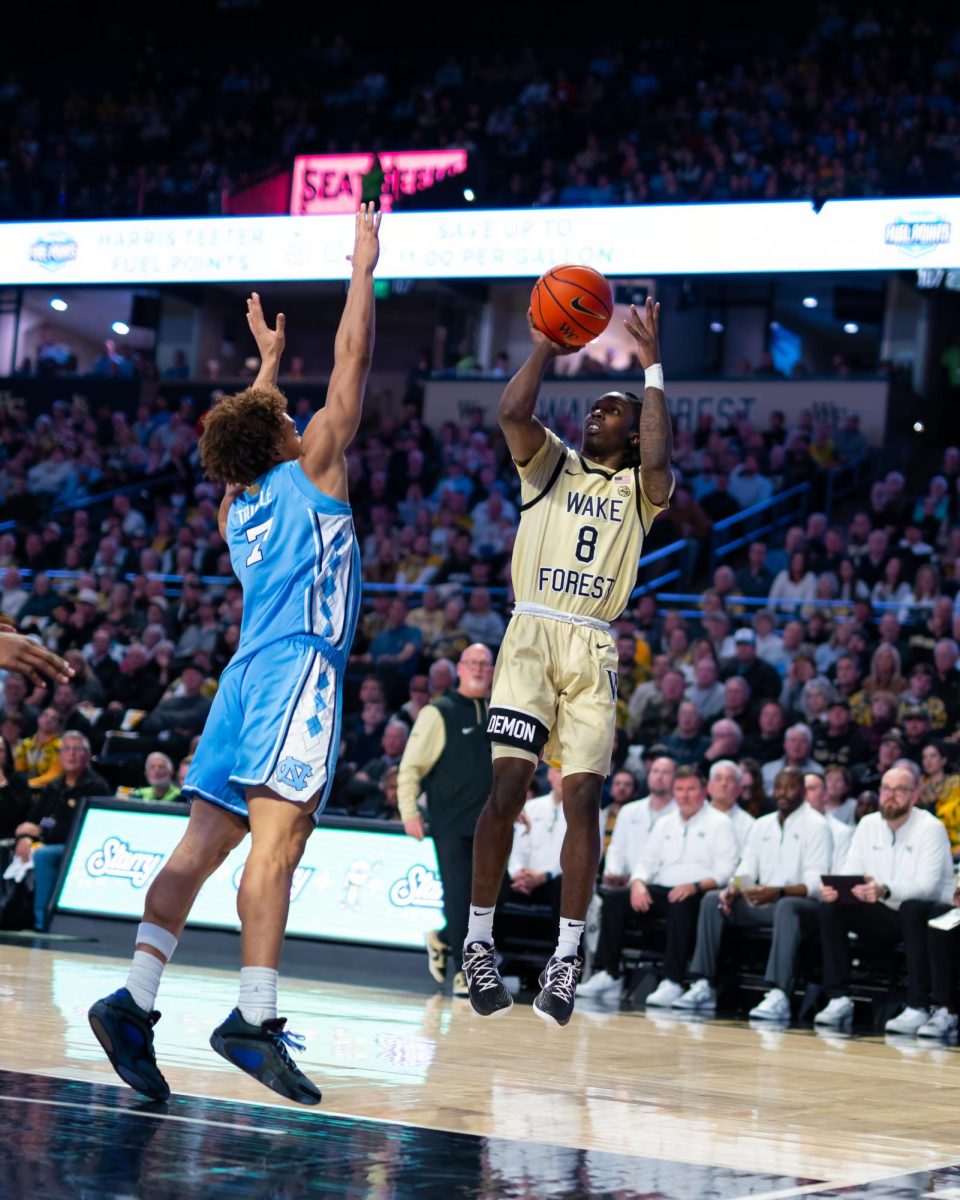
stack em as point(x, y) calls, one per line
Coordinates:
point(448, 758)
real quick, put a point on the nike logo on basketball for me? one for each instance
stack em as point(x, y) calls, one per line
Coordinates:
point(601, 646)
point(579, 307)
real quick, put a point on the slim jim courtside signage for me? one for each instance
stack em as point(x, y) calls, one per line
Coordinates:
point(352, 885)
point(333, 183)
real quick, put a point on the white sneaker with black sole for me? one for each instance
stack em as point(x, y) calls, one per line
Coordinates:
point(699, 995)
point(664, 994)
point(942, 1024)
point(909, 1022)
point(773, 1007)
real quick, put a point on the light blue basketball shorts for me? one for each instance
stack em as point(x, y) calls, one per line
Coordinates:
point(274, 721)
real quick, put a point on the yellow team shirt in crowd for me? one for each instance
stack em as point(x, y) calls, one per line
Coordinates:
point(39, 761)
point(581, 532)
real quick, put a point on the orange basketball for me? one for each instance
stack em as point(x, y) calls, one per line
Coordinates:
point(572, 305)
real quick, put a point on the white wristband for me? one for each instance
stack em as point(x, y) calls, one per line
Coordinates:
point(653, 376)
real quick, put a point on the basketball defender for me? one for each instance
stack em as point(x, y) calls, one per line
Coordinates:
point(266, 760)
point(583, 520)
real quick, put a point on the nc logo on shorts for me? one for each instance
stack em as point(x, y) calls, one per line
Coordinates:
point(293, 773)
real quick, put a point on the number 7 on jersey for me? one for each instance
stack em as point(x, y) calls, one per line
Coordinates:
point(258, 534)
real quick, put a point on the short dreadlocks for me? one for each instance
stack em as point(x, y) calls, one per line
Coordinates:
point(632, 458)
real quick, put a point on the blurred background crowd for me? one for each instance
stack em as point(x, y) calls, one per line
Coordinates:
point(835, 104)
point(838, 648)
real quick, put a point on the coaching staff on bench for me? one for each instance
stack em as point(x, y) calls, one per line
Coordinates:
point(448, 758)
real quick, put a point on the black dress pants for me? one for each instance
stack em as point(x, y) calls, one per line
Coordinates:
point(618, 916)
point(878, 925)
point(455, 860)
point(546, 893)
point(943, 948)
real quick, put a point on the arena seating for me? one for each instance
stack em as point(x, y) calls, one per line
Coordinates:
point(835, 111)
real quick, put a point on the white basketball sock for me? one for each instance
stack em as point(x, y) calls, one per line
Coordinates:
point(143, 982)
point(568, 945)
point(258, 994)
point(479, 925)
point(146, 970)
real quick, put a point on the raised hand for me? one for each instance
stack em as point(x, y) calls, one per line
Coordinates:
point(644, 328)
point(366, 246)
point(540, 339)
point(270, 342)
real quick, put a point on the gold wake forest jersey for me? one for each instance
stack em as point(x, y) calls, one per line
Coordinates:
point(581, 532)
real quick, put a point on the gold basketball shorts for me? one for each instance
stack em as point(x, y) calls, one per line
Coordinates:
point(555, 695)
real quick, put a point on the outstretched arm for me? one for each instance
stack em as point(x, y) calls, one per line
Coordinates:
point(523, 432)
point(656, 432)
point(270, 342)
point(23, 654)
point(334, 427)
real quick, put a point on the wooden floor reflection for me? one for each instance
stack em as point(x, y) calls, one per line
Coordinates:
point(789, 1103)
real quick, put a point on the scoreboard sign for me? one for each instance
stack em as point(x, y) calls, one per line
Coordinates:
point(333, 183)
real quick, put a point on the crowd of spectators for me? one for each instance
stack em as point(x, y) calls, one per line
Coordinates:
point(836, 105)
point(832, 652)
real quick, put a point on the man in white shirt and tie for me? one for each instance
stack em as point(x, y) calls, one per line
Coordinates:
point(775, 886)
point(690, 852)
point(903, 854)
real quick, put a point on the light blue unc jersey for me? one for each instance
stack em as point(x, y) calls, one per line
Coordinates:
point(295, 552)
point(275, 720)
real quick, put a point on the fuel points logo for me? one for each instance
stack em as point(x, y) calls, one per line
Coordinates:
point(918, 233)
point(54, 250)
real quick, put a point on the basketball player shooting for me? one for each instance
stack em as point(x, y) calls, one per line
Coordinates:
point(583, 519)
point(266, 760)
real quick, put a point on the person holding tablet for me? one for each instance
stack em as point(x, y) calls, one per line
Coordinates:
point(903, 854)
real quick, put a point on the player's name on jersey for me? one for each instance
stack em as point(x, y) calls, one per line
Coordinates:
point(565, 582)
point(246, 511)
point(600, 508)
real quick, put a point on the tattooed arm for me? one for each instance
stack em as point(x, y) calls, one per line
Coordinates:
point(656, 432)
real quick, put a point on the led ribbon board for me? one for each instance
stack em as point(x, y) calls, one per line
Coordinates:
point(728, 239)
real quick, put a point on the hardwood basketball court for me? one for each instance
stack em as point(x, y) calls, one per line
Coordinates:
point(624, 1104)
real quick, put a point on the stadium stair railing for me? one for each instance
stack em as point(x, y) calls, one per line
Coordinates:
point(759, 522)
point(668, 565)
point(843, 481)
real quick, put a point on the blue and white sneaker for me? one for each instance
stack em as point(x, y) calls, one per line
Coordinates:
point(125, 1031)
point(261, 1051)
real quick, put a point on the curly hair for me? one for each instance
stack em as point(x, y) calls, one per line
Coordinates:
point(241, 433)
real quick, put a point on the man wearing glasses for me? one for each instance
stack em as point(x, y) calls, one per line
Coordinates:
point(448, 758)
point(903, 853)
